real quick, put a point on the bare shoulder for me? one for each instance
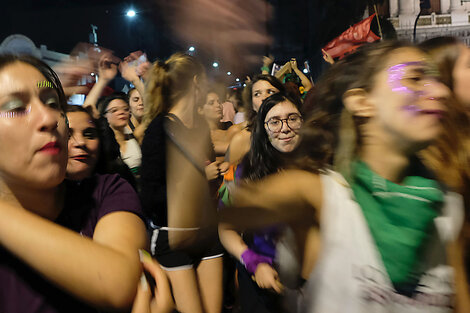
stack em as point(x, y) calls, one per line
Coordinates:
point(234, 130)
point(239, 146)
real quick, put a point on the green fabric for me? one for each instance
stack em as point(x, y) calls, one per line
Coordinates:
point(400, 218)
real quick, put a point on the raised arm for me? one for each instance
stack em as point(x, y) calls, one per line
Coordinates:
point(305, 81)
point(106, 72)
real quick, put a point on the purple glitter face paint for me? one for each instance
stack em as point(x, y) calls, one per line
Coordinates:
point(395, 76)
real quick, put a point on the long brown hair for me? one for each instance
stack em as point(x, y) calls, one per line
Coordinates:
point(168, 82)
point(331, 134)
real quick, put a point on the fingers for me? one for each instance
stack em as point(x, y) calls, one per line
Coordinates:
point(143, 297)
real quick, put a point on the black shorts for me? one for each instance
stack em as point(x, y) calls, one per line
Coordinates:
point(174, 260)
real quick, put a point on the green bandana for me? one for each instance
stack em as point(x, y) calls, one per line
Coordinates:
point(400, 217)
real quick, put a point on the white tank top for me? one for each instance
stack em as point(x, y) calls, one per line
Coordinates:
point(350, 275)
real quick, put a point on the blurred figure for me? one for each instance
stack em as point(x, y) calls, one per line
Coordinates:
point(176, 157)
point(450, 156)
point(116, 110)
point(136, 104)
point(236, 31)
point(63, 249)
point(235, 97)
point(212, 113)
point(377, 221)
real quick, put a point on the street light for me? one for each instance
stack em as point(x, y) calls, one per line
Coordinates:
point(305, 71)
point(229, 73)
point(215, 64)
point(191, 49)
point(130, 13)
point(237, 79)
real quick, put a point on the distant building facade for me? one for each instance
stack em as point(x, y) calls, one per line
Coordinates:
point(444, 18)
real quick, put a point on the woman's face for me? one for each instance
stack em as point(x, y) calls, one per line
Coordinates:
point(117, 113)
point(136, 104)
point(407, 99)
point(461, 76)
point(260, 91)
point(212, 109)
point(83, 146)
point(282, 124)
point(33, 129)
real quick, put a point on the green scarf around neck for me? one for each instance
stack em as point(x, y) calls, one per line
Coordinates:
point(400, 218)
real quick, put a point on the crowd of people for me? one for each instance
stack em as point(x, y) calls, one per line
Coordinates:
point(181, 195)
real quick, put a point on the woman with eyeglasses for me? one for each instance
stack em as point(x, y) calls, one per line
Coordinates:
point(275, 135)
point(115, 109)
point(383, 221)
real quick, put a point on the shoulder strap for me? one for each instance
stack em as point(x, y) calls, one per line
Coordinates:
point(171, 134)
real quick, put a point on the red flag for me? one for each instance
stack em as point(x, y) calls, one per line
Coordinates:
point(351, 39)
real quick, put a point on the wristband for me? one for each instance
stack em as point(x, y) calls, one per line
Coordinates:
point(251, 259)
point(265, 68)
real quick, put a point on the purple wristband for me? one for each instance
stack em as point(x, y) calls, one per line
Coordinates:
point(251, 259)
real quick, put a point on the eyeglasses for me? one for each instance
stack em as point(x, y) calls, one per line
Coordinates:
point(114, 110)
point(293, 121)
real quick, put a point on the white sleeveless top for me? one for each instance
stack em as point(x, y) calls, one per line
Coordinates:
point(132, 156)
point(350, 276)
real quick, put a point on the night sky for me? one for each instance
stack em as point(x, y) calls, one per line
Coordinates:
point(299, 27)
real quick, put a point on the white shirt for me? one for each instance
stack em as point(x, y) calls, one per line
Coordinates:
point(350, 275)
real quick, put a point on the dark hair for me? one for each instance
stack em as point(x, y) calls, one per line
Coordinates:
point(247, 95)
point(331, 131)
point(107, 100)
point(109, 156)
point(49, 74)
point(445, 52)
point(263, 159)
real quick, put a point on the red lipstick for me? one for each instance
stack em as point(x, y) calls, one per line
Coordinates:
point(52, 148)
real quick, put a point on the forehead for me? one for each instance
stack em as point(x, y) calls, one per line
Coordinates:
point(117, 103)
point(212, 96)
point(19, 76)
point(262, 84)
point(134, 93)
point(282, 110)
point(79, 118)
point(405, 55)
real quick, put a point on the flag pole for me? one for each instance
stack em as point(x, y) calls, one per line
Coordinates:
point(378, 22)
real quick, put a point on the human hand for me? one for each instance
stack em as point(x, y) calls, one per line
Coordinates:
point(144, 302)
point(212, 170)
point(128, 72)
point(267, 278)
point(223, 168)
point(107, 69)
point(70, 72)
point(327, 57)
point(268, 60)
point(293, 64)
